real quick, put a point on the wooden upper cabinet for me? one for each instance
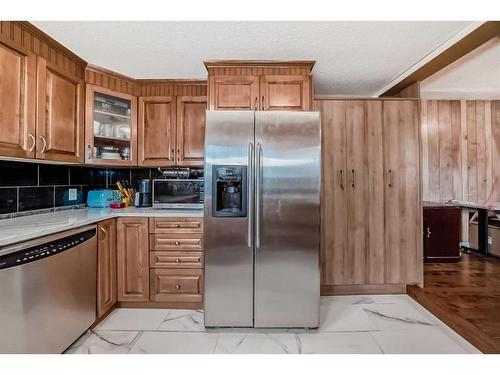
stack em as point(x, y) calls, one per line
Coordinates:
point(60, 105)
point(133, 259)
point(110, 127)
point(281, 92)
point(234, 93)
point(191, 129)
point(157, 130)
point(106, 266)
point(17, 102)
point(260, 85)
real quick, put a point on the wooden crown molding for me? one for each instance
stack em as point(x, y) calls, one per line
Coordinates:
point(176, 82)
point(471, 41)
point(149, 82)
point(32, 29)
point(260, 63)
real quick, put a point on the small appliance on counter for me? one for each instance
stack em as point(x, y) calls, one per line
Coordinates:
point(143, 196)
point(100, 198)
point(180, 188)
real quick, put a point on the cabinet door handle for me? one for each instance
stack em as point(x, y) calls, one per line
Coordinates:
point(256, 106)
point(262, 104)
point(178, 287)
point(178, 154)
point(33, 142)
point(103, 231)
point(44, 144)
point(429, 232)
point(172, 154)
point(353, 179)
point(342, 179)
point(90, 151)
point(390, 178)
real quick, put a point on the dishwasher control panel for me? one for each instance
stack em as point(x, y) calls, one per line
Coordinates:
point(45, 250)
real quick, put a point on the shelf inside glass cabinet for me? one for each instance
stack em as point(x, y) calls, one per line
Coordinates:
point(112, 127)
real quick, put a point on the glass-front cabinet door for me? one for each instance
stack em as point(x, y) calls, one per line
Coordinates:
point(111, 127)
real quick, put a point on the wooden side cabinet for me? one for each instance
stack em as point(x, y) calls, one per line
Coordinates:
point(133, 259)
point(106, 266)
point(441, 233)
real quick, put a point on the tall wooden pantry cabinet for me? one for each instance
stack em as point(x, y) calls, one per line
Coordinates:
point(371, 198)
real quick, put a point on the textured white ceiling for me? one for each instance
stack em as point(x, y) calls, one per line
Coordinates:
point(474, 76)
point(353, 58)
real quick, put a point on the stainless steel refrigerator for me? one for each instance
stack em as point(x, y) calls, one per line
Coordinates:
point(262, 219)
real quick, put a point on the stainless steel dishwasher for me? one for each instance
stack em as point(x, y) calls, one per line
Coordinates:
point(47, 291)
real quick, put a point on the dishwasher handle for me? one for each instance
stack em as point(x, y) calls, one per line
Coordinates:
point(45, 247)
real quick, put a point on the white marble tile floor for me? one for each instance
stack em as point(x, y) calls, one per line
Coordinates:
point(348, 325)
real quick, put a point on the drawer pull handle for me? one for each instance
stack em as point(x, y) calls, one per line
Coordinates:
point(177, 243)
point(198, 260)
point(177, 225)
point(177, 287)
point(177, 260)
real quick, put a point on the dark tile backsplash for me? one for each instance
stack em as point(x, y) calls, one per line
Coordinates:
point(18, 174)
point(49, 174)
point(36, 198)
point(26, 186)
point(67, 195)
point(8, 200)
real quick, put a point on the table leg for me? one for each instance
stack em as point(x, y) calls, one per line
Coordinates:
point(483, 231)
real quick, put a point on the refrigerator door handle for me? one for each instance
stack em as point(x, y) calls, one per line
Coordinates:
point(258, 177)
point(250, 172)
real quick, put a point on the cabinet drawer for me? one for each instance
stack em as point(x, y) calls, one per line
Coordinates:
point(175, 259)
point(172, 242)
point(176, 225)
point(176, 285)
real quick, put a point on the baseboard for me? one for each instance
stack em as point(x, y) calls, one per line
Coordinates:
point(332, 290)
point(161, 305)
point(104, 316)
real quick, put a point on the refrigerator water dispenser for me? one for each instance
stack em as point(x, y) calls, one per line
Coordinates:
point(229, 190)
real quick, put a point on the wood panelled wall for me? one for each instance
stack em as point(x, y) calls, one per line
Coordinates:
point(144, 87)
point(24, 36)
point(460, 149)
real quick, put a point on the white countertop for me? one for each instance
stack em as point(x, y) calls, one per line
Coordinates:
point(28, 227)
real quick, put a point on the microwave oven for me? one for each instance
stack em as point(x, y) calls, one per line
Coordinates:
point(178, 193)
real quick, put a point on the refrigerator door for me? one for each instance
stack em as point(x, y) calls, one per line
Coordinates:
point(287, 219)
point(229, 137)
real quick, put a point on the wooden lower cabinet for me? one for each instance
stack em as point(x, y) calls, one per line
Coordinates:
point(176, 285)
point(176, 225)
point(176, 260)
point(133, 259)
point(441, 232)
point(371, 203)
point(106, 266)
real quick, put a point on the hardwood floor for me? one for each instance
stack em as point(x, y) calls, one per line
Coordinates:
point(465, 296)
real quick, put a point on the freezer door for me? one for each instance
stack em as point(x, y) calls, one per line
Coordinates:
point(287, 226)
point(229, 137)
